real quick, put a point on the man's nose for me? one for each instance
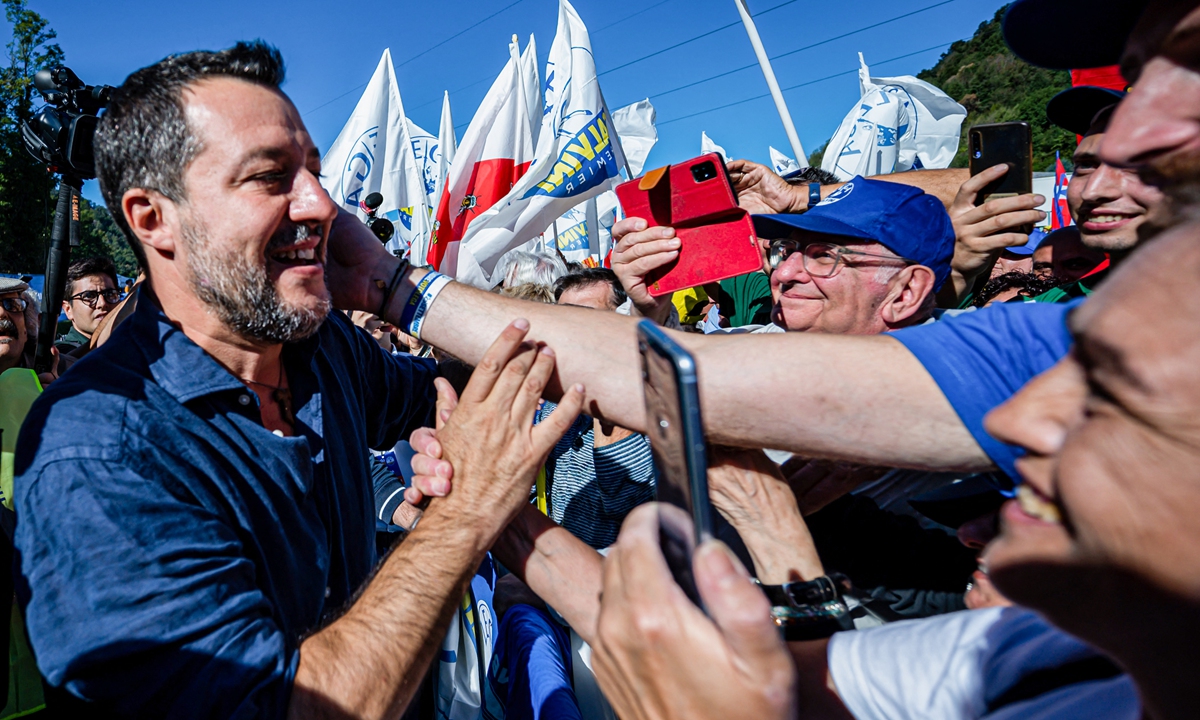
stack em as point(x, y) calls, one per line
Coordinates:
point(1149, 123)
point(309, 201)
point(792, 270)
point(1106, 183)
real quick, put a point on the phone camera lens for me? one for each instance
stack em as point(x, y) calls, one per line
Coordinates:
point(704, 171)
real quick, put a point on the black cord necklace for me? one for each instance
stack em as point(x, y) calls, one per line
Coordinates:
point(281, 395)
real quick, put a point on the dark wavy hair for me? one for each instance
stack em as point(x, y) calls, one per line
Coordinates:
point(143, 139)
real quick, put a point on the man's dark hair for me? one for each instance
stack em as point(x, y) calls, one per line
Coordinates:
point(808, 175)
point(1031, 286)
point(591, 276)
point(143, 139)
point(89, 266)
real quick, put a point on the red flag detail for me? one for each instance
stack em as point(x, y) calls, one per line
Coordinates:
point(490, 181)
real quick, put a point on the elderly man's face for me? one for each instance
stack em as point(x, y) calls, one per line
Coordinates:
point(1106, 517)
point(1109, 204)
point(597, 295)
point(847, 303)
point(12, 334)
point(256, 219)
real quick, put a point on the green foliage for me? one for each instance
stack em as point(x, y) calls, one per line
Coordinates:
point(995, 86)
point(816, 156)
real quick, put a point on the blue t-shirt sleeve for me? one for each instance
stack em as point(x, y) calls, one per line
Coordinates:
point(131, 613)
point(980, 359)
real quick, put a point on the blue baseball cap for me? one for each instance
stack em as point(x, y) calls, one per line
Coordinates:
point(1035, 238)
point(902, 218)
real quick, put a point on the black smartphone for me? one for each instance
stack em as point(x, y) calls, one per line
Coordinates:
point(1010, 143)
point(677, 444)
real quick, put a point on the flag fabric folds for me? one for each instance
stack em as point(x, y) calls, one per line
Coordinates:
point(374, 153)
point(1061, 217)
point(635, 128)
point(578, 156)
point(781, 163)
point(708, 146)
point(494, 154)
point(900, 123)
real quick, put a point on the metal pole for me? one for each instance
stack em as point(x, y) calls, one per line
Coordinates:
point(776, 94)
point(64, 235)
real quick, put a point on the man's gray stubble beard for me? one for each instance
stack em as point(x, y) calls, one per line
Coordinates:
point(242, 296)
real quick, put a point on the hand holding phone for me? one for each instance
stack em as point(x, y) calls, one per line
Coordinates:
point(994, 144)
point(697, 199)
point(677, 444)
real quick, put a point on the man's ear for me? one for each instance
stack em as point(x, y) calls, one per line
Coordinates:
point(151, 217)
point(910, 289)
point(69, 310)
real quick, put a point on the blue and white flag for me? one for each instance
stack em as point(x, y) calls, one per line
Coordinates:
point(575, 236)
point(374, 153)
point(899, 124)
point(782, 163)
point(578, 156)
point(427, 151)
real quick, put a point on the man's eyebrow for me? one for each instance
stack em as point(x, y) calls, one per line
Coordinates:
point(1089, 157)
point(263, 153)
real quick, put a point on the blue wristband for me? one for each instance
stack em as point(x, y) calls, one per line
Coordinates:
point(417, 307)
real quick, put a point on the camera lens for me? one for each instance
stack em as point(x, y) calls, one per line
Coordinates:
point(704, 171)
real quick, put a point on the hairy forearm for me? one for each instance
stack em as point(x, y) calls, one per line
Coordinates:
point(863, 399)
point(559, 567)
point(370, 662)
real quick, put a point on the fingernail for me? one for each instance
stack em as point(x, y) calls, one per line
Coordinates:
point(579, 387)
point(521, 324)
point(668, 232)
point(639, 224)
point(445, 415)
point(547, 351)
point(443, 470)
point(716, 559)
point(441, 489)
point(674, 242)
point(1040, 198)
point(435, 448)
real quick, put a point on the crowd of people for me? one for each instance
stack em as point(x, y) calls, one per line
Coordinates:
point(289, 474)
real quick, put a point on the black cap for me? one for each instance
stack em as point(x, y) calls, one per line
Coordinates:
point(1071, 34)
point(965, 499)
point(1075, 109)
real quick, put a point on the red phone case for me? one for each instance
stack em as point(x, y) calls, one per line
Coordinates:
point(716, 236)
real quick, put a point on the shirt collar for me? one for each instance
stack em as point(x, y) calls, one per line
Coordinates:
point(183, 368)
point(178, 365)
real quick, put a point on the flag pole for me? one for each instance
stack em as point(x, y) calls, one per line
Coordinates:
point(776, 94)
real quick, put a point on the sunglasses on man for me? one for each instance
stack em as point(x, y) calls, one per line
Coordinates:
point(13, 304)
point(112, 296)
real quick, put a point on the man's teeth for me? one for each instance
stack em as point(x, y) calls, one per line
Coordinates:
point(1107, 218)
point(309, 254)
point(1035, 506)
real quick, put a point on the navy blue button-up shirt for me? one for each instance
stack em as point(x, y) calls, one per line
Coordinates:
point(173, 551)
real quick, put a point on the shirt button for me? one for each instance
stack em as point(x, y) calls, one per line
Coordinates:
point(328, 592)
point(244, 399)
point(577, 443)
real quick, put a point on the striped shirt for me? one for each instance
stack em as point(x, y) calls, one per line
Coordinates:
point(591, 489)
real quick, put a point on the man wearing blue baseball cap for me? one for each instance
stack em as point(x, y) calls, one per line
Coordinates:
point(867, 259)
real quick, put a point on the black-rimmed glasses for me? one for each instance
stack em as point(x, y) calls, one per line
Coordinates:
point(112, 296)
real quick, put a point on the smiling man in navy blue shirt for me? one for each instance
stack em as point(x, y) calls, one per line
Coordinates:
point(194, 503)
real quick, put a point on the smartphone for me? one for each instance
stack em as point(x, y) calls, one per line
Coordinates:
point(696, 198)
point(1010, 143)
point(677, 445)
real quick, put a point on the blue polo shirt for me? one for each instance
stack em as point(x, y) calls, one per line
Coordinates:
point(173, 552)
point(980, 359)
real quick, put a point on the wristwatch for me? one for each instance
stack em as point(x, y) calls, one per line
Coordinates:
point(814, 194)
point(808, 610)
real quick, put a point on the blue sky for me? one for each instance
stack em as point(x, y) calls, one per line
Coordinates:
point(332, 47)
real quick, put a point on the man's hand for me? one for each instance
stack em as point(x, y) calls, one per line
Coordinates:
point(981, 233)
point(355, 261)
point(431, 474)
point(490, 438)
point(52, 374)
point(638, 250)
point(761, 191)
point(748, 489)
point(658, 656)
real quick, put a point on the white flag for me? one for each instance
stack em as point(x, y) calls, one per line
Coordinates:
point(574, 230)
point(533, 88)
point(577, 157)
point(900, 123)
point(635, 127)
point(782, 163)
point(447, 144)
point(428, 154)
point(374, 153)
point(708, 146)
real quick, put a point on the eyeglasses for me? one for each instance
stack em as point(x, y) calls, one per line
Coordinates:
point(13, 304)
point(820, 259)
point(112, 296)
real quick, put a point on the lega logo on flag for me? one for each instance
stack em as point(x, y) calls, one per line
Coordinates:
point(358, 168)
point(573, 238)
point(585, 161)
